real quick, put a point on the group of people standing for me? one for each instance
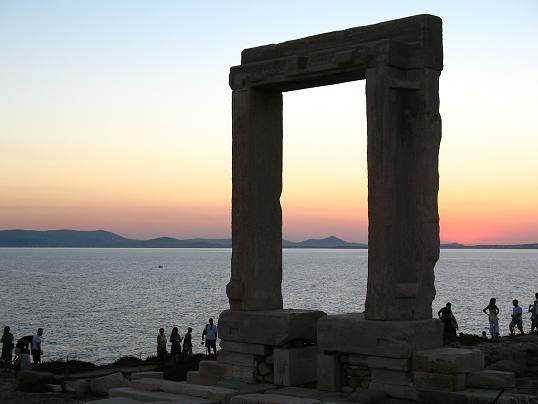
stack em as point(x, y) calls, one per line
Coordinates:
point(492, 311)
point(23, 347)
point(209, 338)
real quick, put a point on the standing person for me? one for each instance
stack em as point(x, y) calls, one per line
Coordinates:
point(533, 309)
point(36, 346)
point(161, 345)
point(7, 348)
point(210, 333)
point(517, 318)
point(449, 322)
point(493, 313)
point(187, 343)
point(175, 340)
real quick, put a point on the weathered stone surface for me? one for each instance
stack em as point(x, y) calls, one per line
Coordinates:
point(146, 375)
point(491, 379)
point(507, 365)
point(256, 213)
point(147, 384)
point(101, 385)
point(225, 371)
point(439, 381)
point(404, 133)
point(270, 399)
point(295, 366)
point(268, 327)
point(475, 396)
point(79, 387)
point(393, 339)
point(395, 390)
point(235, 358)
point(33, 380)
point(246, 348)
point(392, 377)
point(379, 362)
point(448, 360)
point(195, 377)
point(119, 400)
point(328, 373)
point(152, 396)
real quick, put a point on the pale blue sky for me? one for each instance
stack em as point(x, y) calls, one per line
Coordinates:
point(105, 103)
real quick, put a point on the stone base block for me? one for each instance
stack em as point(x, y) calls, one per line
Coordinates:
point(153, 396)
point(235, 358)
point(225, 371)
point(392, 339)
point(491, 379)
point(271, 399)
point(195, 377)
point(246, 348)
point(439, 381)
point(329, 373)
point(385, 376)
point(295, 366)
point(146, 375)
point(269, 327)
point(448, 360)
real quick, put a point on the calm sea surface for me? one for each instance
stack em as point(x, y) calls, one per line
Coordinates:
point(100, 304)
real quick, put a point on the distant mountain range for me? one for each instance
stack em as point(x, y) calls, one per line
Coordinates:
point(106, 239)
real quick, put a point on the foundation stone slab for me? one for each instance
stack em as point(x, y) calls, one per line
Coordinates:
point(269, 327)
point(246, 348)
point(235, 358)
point(152, 396)
point(448, 360)
point(439, 381)
point(295, 366)
point(146, 375)
point(393, 339)
point(271, 399)
point(491, 379)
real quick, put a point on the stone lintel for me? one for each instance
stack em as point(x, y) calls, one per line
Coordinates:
point(269, 327)
point(423, 30)
point(448, 360)
point(327, 66)
point(351, 333)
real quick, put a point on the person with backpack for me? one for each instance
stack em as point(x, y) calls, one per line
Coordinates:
point(210, 334)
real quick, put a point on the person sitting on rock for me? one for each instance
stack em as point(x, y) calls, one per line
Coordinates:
point(517, 318)
point(449, 322)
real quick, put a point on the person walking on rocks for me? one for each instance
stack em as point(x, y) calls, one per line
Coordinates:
point(187, 343)
point(36, 346)
point(449, 322)
point(7, 348)
point(210, 333)
point(517, 318)
point(493, 314)
point(161, 345)
point(175, 340)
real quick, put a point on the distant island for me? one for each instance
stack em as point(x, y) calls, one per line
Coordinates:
point(106, 239)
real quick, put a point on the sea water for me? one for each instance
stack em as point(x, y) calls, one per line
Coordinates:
point(101, 304)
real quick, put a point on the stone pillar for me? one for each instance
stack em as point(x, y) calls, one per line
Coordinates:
point(404, 133)
point(256, 213)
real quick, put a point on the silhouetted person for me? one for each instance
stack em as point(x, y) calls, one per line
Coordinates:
point(450, 325)
point(517, 318)
point(36, 346)
point(210, 333)
point(22, 359)
point(187, 343)
point(161, 345)
point(493, 314)
point(175, 340)
point(533, 309)
point(7, 348)
point(484, 335)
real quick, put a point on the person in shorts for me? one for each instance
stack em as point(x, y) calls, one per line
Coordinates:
point(210, 334)
point(7, 348)
point(517, 318)
point(36, 346)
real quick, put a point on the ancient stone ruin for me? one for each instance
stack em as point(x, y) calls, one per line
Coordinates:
point(394, 346)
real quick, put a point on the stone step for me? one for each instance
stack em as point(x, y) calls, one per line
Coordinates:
point(152, 396)
point(221, 394)
point(196, 377)
point(271, 399)
point(146, 375)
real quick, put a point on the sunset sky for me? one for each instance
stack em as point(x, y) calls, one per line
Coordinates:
point(116, 115)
